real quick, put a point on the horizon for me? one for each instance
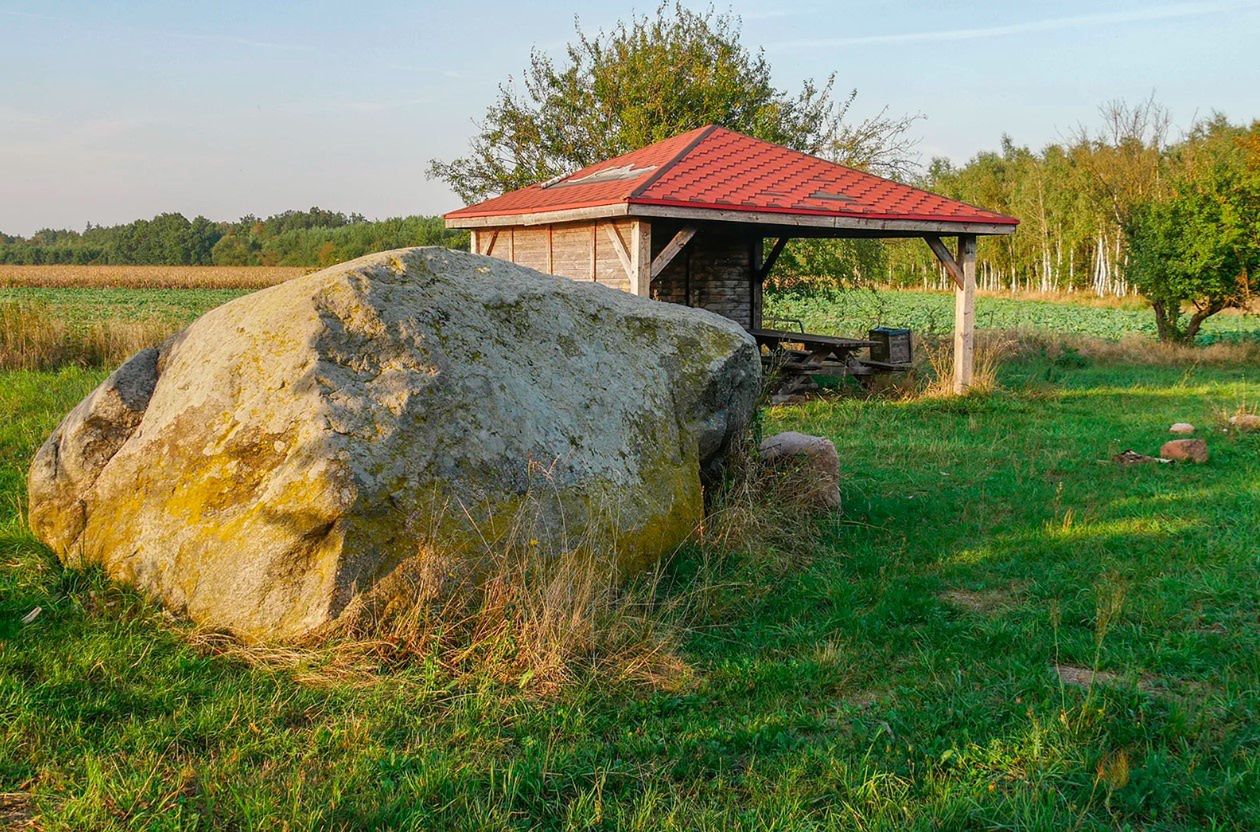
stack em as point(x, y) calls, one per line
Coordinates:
point(230, 111)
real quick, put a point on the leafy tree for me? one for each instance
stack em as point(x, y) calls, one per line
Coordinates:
point(1199, 246)
point(648, 79)
point(292, 238)
point(235, 250)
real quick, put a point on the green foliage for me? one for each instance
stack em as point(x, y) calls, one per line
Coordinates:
point(1074, 200)
point(852, 313)
point(900, 680)
point(1198, 245)
point(293, 238)
point(649, 79)
point(824, 263)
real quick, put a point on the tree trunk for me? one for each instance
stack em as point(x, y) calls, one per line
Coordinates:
point(1166, 321)
point(1196, 320)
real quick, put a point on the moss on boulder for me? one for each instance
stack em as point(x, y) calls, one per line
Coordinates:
point(270, 467)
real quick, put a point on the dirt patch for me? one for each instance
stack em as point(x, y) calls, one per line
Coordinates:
point(983, 601)
point(17, 811)
point(1132, 457)
point(1083, 677)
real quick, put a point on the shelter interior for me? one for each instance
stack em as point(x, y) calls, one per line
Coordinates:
point(718, 265)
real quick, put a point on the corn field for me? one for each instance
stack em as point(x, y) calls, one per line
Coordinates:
point(146, 277)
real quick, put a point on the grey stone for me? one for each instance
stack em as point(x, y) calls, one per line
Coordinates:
point(814, 458)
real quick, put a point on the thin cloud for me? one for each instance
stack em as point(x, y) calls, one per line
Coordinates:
point(1048, 25)
point(164, 33)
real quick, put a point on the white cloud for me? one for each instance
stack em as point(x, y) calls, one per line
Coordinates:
point(1167, 12)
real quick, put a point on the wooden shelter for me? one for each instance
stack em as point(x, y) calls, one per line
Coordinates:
point(700, 219)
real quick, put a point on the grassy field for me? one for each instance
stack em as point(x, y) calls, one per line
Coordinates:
point(909, 674)
point(850, 313)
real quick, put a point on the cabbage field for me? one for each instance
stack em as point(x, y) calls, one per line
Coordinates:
point(853, 312)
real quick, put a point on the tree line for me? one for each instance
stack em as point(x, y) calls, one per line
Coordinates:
point(1078, 200)
point(292, 238)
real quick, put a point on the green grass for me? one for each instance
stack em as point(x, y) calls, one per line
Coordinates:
point(852, 313)
point(79, 306)
point(849, 693)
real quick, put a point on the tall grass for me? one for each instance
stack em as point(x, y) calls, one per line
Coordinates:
point(33, 337)
point(518, 603)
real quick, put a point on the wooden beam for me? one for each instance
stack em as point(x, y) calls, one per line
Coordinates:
point(551, 260)
point(594, 256)
point(619, 246)
point(671, 250)
point(965, 316)
point(599, 212)
point(494, 237)
point(840, 225)
point(947, 260)
point(512, 244)
point(763, 271)
point(641, 258)
point(472, 242)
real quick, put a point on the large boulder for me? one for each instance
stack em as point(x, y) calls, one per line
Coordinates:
point(273, 465)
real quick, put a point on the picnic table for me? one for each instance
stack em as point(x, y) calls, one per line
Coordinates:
point(798, 356)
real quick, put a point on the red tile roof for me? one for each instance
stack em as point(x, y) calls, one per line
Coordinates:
point(718, 169)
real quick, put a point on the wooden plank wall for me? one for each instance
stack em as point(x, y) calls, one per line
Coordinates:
point(569, 245)
point(712, 272)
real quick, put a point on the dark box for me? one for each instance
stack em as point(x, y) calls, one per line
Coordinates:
point(892, 346)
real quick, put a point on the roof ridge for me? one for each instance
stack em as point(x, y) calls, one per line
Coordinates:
point(982, 209)
point(704, 133)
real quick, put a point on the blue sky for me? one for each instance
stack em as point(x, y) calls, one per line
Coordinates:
point(111, 111)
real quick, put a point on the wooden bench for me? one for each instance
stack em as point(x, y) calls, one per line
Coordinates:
point(796, 356)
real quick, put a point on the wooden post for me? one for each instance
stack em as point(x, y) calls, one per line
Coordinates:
point(965, 315)
point(593, 255)
point(640, 258)
point(472, 242)
point(755, 286)
point(762, 264)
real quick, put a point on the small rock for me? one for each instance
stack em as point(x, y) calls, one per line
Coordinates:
point(1245, 421)
point(1181, 427)
point(816, 457)
point(1185, 450)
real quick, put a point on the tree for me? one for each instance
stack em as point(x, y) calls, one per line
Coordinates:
point(648, 79)
point(1199, 246)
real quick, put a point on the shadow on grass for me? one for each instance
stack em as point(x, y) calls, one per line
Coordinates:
point(846, 692)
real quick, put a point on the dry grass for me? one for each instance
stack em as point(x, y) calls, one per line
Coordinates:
point(934, 371)
point(757, 512)
point(507, 602)
point(1134, 349)
point(32, 337)
point(148, 277)
point(1080, 297)
point(538, 610)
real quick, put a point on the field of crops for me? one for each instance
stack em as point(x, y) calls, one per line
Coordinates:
point(147, 277)
point(175, 295)
point(854, 312)
point(80, 306)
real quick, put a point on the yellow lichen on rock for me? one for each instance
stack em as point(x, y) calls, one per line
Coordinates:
point(283, 456)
